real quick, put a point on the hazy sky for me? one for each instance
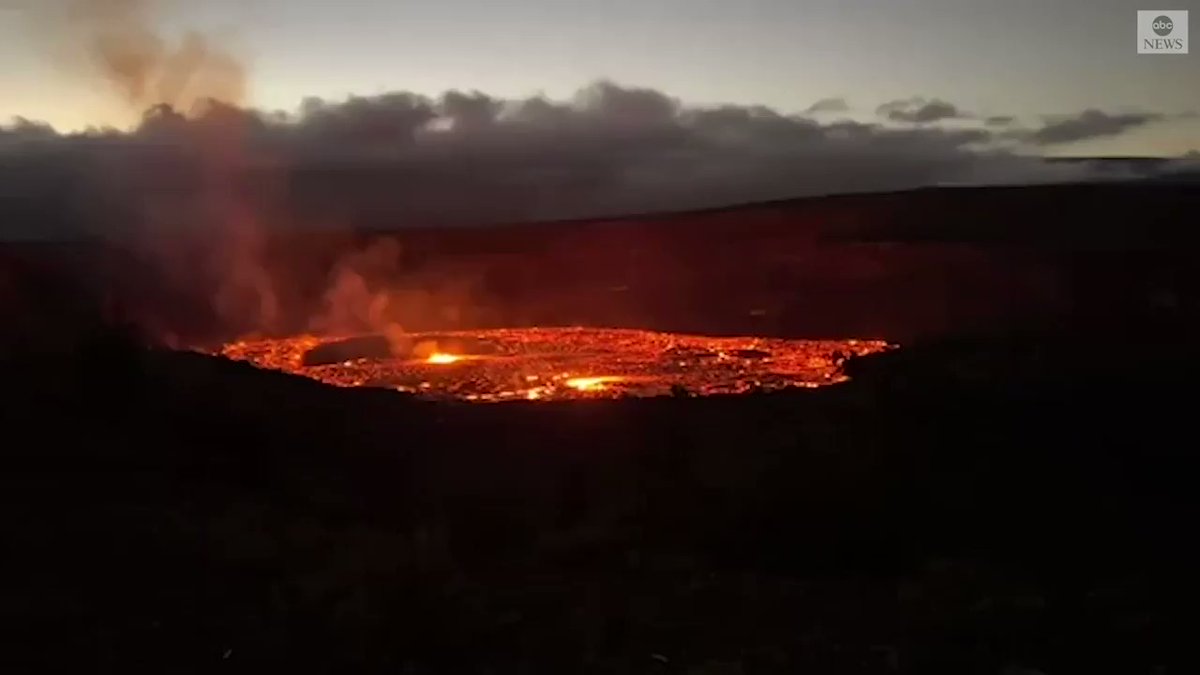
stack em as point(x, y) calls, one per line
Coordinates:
point(1019, 57)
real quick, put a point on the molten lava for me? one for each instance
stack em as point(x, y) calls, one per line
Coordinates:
point(559, 363)
point(590, 383)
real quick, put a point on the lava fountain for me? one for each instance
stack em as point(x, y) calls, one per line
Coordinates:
point(557, 363)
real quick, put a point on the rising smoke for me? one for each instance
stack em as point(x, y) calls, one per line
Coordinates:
point(121, 43)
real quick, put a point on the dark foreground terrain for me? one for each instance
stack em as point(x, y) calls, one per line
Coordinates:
point(1015, 505)
point(1016, 499)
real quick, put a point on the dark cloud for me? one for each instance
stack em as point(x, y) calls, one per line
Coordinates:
point(467, 112)
point(1090, 124)
point(918, 110)
point(828, 105)
point(358, 125)
point(21, 131)
point(999, 120)
point(610, 104)
point(402, 159)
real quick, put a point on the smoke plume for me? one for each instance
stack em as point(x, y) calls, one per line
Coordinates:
point(210, 235)
point(120, 42)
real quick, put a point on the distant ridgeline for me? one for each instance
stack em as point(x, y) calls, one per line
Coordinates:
point(1158, 168)
point(97, 188)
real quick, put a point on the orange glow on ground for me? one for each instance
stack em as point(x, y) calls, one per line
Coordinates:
point(443, 359)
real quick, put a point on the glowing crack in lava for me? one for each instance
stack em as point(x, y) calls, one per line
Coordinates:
point(590, 383)
point(557, 363)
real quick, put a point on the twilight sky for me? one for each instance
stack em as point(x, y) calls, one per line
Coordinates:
point(1026, 58)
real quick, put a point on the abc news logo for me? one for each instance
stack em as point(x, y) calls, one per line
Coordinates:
point(1162, 31)
point(1163, 26)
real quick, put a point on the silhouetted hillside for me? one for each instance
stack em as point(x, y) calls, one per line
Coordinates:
point(903, 265)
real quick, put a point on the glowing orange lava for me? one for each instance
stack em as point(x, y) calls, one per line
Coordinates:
point(590, 383)
point(539, 364)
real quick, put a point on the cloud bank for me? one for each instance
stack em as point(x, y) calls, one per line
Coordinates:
point(401, 159)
